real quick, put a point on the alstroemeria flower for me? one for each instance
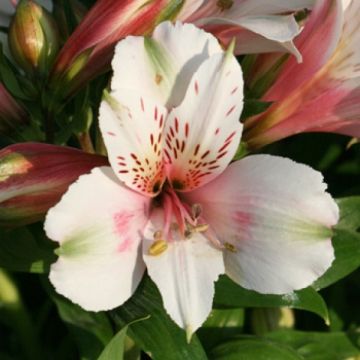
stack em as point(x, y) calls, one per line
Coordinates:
point(171, 203)
point(259, 26)
point(323, 93)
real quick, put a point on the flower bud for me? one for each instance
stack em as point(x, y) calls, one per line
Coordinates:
point(34, 176)
point(11, 113)
point(89, 50)
point(33, 37)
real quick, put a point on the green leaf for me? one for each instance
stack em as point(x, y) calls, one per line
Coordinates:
point(347, 257)
point(115, 348)
point(21, 251)
point(91, 331)
point(320, 346)
point(8, 77)
point(157, 335)
point(254, 107)
point(349, 213)
point(229, 294)
point(220, 325)
point(253, 349)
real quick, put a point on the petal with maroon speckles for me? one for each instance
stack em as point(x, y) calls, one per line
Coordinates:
point(203, 133)
point(132, 127)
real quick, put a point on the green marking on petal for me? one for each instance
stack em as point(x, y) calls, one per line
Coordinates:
point(164, 74)
point(231, 48)
point(77, 245)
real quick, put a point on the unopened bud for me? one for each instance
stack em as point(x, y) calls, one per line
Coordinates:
point(33, 37)
point(34, 176)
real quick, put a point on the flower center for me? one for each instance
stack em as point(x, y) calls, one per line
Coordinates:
point(181, 221)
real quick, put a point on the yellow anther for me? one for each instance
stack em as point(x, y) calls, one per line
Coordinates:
point(158, 247)
point(201, 228)
point(224, 4)
point(230, 247)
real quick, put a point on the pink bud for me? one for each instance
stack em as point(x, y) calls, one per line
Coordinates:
point(34, 176)
point(89, 49)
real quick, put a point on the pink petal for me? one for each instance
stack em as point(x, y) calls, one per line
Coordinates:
point(316, 44)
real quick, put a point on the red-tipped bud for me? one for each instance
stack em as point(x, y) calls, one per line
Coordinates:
point(33, 37)
point(34, 176)
point(89, 50)
point(12, 115)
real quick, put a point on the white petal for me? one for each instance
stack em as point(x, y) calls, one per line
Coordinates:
point(132, 126)
point(98, 224)
point(274, 27)
point(203, 133)
point(277, 215)
point(161, 67)
point(185, 274)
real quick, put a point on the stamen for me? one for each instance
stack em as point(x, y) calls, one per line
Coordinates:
point(230, 247)
point(159, 245)
point(224, 4)
point(201, 228)
point(196, 211)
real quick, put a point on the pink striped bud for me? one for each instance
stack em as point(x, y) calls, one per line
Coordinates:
point(34, 176)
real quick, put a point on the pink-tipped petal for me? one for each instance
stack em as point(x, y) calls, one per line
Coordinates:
point(203, 133)
point(184, 273)
point(98, 225)
point(274, 219)
point(132, 126)
point(316, 44)
point(327, 102)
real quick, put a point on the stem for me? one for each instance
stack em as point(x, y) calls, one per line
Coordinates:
point(19, 319)
point(86, 142)
point(49, 127)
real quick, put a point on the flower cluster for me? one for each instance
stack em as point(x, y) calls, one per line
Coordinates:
point(173, 197)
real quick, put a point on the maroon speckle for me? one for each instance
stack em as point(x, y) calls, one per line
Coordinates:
point(152, 139)
point(230, 110)
point(230, 136)
point(142, 104)
point(205, 154)
point(196, 87)
point(111, 133)
point(176, 124)
point(186, 129)
point(234, 91)
point(123, 171)
point(196, 149)
point(156, 113)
